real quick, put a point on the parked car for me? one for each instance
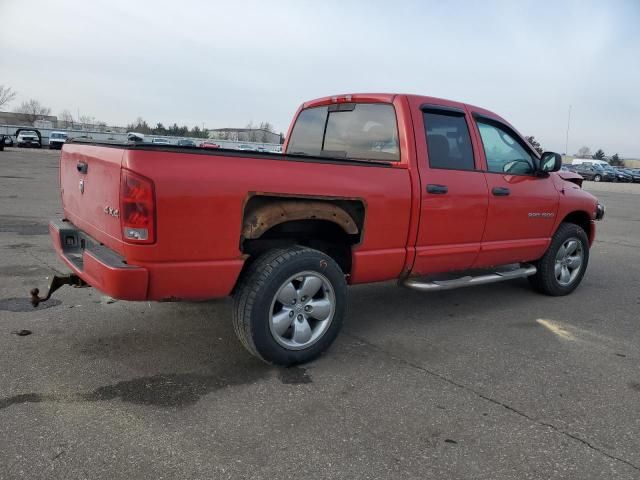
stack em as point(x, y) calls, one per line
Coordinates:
point(634, 173)
point(589, 161)
point(1, 143)
point(210, 145)
point(185, 142)
point(246, 148)
point(135, 137)
point(623, 176)
point(462, 199)
point(160, 141)
point(594, 172)
point(28, 138)
point(617, 174)
point(57, 139)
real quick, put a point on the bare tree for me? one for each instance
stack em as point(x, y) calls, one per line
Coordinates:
point(33, 109)
point(87, 121)
point(584, 152)
point(65, 119)
point(266, 126)
point(7, 94)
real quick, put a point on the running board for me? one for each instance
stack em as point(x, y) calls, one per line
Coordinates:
point(468, 281)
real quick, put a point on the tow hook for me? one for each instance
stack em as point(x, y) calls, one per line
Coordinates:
point(56, 282)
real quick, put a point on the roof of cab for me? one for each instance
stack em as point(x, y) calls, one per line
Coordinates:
point(390, 97)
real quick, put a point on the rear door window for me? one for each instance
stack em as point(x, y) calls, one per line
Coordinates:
point(363, 131)
point(448, 141)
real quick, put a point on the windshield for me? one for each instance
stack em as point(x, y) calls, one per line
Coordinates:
point(58, 135)
point(366, 131)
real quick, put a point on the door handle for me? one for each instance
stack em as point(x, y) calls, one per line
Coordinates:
point(437, 189)
point(500, 191)
point(82, 167)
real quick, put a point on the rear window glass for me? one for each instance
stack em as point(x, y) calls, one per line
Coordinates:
point(364, 131)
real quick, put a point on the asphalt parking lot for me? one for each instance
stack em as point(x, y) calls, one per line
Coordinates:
point(493, 382)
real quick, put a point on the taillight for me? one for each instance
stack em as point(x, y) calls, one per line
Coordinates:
point(137, 208)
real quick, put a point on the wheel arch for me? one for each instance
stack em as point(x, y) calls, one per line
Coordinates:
point(331, 225)
point(582, 219)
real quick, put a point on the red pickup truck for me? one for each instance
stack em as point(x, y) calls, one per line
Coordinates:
point(371, 187)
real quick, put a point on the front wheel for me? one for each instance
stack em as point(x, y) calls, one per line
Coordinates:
point(597, 178)
point(289, 305)
point(563, 265)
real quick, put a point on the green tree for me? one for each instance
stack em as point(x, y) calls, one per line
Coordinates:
point(534, 143)
point(599, 155)
point(197, 133)
point(140, 125)
point(159, 130)
point(615, 160)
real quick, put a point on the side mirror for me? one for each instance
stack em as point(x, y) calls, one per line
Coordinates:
point(550, 162)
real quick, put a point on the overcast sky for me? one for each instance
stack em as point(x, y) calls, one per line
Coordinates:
point(227, 63)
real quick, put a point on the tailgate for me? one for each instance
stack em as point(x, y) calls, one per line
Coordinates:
point(90, 187)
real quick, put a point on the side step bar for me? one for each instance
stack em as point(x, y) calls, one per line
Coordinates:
point(468, 281)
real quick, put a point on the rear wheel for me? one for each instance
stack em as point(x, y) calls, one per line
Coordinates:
point(597, 178)
point(289, 305)
point(562, 267)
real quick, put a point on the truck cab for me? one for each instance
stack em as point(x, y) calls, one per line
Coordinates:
point(57, 139)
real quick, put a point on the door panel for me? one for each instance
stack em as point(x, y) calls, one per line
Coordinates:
point(519, 225)
point(522, 205)
point(454, 196)
point(451, 224)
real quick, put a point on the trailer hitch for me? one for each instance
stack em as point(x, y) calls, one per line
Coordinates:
point(56, 282)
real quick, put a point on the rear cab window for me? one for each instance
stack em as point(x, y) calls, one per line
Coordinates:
point(361, 131)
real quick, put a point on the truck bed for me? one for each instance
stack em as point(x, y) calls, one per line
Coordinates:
point(200, 196)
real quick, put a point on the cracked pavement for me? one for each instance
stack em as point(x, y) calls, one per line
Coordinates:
point(491, 382)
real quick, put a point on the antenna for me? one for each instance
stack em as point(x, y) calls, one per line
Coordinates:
point(566, 146)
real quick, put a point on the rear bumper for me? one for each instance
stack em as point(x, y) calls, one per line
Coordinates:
point(107, 271)
point(97, 265)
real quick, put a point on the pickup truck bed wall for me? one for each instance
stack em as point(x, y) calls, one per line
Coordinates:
point(200, 198)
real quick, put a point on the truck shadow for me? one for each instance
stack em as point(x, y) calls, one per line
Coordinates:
point(198, 340)
point(183, 353)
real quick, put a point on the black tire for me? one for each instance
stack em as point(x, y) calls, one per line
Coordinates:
point(597, 178)
point(255, 294)
point(545, 280)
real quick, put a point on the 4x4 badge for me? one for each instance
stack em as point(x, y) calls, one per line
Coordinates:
point(114, 212)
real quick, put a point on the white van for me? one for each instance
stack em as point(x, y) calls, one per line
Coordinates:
point(589, 161)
